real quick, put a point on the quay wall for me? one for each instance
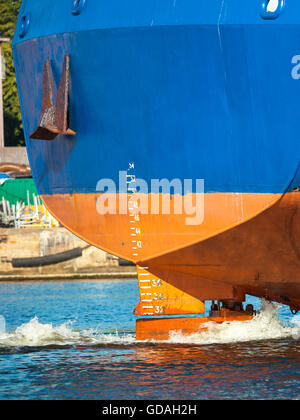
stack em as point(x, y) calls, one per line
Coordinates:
point(29, 243)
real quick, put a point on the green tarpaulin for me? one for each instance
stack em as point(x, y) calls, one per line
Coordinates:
point(14, 190)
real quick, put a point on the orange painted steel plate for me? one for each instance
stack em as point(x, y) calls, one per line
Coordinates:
point(157, 297)
point(159, 233)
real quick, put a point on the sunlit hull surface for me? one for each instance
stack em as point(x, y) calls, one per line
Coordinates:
point(175, 89)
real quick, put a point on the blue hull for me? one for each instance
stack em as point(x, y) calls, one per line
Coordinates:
point(185, 89)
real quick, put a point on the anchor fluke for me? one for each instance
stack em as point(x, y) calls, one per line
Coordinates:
point(54, 119)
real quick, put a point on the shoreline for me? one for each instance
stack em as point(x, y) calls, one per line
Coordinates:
point(28, 244)
point(129, 275)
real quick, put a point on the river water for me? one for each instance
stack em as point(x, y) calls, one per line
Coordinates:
point(76, 340)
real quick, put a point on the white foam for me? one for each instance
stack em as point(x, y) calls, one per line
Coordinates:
point(37, 334)
point(264, 326)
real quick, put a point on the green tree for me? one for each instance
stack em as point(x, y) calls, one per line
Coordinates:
point(12, 115)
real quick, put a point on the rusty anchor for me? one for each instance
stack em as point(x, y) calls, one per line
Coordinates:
point(54, 119)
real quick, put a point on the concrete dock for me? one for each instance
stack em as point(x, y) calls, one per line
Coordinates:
point(29, 243)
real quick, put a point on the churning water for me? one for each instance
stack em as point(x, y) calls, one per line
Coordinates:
point(76, 340)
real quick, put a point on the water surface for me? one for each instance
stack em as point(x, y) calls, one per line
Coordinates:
point(76, 340)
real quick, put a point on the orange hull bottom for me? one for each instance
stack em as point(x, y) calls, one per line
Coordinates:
point(162, 328)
